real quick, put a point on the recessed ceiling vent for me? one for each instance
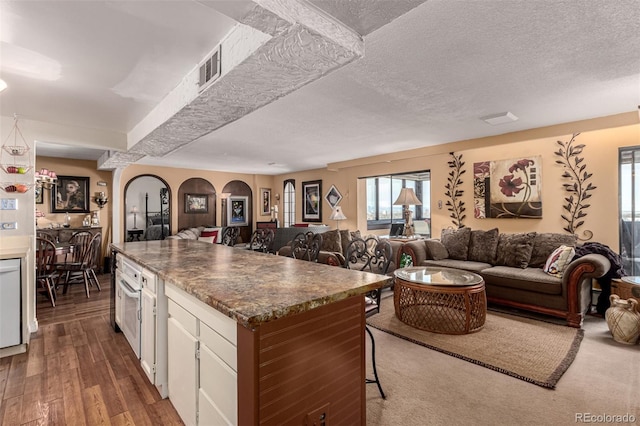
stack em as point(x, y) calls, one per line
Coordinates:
point(502, 118)
point(210, 69)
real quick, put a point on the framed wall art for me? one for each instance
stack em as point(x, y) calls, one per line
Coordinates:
point(265, 198)
point(238, 211)
point(70, 195)
point(311, 201)
point(196, 203)
point(333, 197)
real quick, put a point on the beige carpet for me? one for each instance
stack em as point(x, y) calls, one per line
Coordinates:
point(534, 351)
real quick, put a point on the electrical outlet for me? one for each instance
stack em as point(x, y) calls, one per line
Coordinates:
point(8, 204)
point(6, 226)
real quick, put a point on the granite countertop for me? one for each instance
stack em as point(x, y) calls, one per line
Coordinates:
point(250, 287)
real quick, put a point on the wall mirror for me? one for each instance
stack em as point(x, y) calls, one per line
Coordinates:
point(147, 209)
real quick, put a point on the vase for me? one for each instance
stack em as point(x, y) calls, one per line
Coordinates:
point(623, 320)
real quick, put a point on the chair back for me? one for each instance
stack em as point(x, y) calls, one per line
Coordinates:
point(306, 246)
point(368, 255)
point(81, 242)
point(262, 240)
point(45, 257)
point(93, 254)
point(230, 235)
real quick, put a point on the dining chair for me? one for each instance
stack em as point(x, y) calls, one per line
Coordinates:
point(370, 255)
point(230, 235)
point(78, 265)
point(306, 246)
point(261, 240)
point(45, 267)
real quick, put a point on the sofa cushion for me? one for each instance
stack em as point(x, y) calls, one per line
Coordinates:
point(331, 241)
point(483, 245)
point(436, 250)
point(515, 249)
point(558, 260)
point(545, 243)
point(530, 279)
point(457, 242)
point(458, 264)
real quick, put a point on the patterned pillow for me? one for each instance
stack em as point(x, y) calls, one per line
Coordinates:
point(457, 242)
point(331, 241)
point(515, 249)
point(558, 260)
point(345, 239)
point(211, 239)
point(483, 245)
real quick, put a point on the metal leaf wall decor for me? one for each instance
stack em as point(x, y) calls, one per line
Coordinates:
point(578, 189)
point(454, 204)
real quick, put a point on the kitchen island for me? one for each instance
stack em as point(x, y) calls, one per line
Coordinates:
point(276, 340)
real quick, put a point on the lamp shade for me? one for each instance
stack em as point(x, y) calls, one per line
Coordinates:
point(337, 214)
point(407, 198)
point(134, 209)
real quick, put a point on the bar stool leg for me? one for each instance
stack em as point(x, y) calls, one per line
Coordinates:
point(373, 361)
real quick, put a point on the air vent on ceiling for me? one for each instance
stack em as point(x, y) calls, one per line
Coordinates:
point(210, 69)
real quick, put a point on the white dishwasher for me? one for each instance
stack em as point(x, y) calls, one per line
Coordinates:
point(10, 334)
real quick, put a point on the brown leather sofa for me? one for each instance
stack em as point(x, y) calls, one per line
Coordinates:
point(525, 285)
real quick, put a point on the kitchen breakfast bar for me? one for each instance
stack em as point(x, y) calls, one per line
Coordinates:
point(234, 336)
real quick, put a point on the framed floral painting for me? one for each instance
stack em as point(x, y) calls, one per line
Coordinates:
point(508, 188)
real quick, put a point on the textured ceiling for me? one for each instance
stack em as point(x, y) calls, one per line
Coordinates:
point(425, 78)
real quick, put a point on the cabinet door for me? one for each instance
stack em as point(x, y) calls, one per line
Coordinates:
point(182, 379)
point(118, 297)
point(148, 334)
point(218, 389)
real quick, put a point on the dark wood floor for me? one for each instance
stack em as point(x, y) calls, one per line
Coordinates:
point(78, 371)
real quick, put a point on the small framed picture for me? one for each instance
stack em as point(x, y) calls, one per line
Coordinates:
point(237, 211)
point(70, 195)
point(265, 198)
point(196, 203)
point(39, 196)
point(311, 201)
point(333, 197)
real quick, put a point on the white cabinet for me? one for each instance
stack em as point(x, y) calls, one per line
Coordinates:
point(148, 334)
point(202, 361)
point(182, 370)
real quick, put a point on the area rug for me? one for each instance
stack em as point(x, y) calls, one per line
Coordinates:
point(535, 351)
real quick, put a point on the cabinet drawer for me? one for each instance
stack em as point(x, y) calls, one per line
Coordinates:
point(149, 280)
point(219, 345)
point(186, 320)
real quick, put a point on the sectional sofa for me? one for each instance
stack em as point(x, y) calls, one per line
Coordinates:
point(519, 270)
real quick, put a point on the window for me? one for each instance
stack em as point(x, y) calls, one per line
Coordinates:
point(382, 191)
point(629, 177)
point(289, 202)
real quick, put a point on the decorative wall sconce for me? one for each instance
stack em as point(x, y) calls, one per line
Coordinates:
point(101, 199)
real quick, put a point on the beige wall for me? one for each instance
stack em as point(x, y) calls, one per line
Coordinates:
point(602, 138)
point(176, 176)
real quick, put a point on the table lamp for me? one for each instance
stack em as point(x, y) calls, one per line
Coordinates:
point(407, 198)
point(134, 210)
point(337, 215)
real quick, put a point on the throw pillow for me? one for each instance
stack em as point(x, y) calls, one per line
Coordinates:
point(436, 250)
point(212, 234)
point(207, 239)
point(331, 241)
point(515, 249)
point(558, 260)
point(457, 242)
point(545, 243)
point(483, 245)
